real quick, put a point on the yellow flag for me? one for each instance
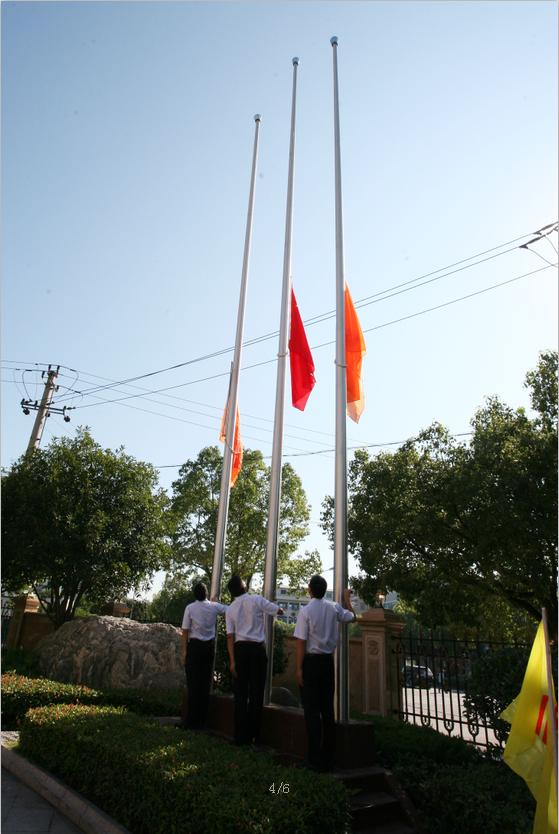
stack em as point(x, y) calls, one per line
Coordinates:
point(529, 749)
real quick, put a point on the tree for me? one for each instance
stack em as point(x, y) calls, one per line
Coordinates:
point(195, 504)
point(167, 606)
point(78, 519)
point(455, 527)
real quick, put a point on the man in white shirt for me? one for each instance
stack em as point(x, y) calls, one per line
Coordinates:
point(247, 657)
point(317, 632)
point(198, 629)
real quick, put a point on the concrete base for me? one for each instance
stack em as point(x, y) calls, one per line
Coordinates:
point(284, 730)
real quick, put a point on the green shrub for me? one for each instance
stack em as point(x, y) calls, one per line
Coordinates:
point(453, 786)
point(160, 780)
point(21, 693)
point(495, 682)
point(223, 675)
point(485, 798)
point(21, 661)
point(145, 701)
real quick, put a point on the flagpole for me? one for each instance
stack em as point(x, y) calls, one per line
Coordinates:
point(550, 704)
point(340, 489)
point(221, 529)
point(272, 535)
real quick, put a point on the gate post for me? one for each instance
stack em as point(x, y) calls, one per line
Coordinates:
point(24, 604)
point(380, 673)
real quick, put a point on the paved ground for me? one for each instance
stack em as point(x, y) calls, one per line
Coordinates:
point(441, 710)
point(25, 812)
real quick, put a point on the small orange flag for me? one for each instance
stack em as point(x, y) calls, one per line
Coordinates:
point(355, 350)
point(237, 445)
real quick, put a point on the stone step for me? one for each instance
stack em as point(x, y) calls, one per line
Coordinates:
point(371, 799)
point(368, 807)
point(372, 778)
point(385, 828)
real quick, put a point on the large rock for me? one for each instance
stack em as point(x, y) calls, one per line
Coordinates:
point(105, 652)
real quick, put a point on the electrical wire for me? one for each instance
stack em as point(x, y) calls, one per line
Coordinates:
point(204, 425)
point(323, 316)
point(349, 448)
point(332, 341)
point(207, 405)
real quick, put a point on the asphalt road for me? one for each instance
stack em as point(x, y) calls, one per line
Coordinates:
point(442, 711)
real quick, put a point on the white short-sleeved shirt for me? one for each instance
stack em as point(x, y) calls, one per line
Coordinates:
point(317, 623)
point(245, 617)
point(200, 618)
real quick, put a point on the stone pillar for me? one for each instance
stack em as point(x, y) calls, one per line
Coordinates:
point(25, 604)
point(379, 627)
point(115, 609)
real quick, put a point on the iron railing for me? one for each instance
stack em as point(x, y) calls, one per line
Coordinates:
point(436, 683)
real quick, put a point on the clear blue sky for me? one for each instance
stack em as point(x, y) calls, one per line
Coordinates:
point(126, 148)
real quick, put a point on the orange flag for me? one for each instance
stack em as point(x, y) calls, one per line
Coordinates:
point(237, 445)
point(355, 350)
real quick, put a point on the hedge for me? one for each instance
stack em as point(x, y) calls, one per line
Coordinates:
point(20, 693)
point(452, 785)
point(160, 780)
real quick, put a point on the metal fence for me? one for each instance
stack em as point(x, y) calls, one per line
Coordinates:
point(435, 676)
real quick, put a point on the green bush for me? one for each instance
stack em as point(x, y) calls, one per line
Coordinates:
point(223, 675)
point(21, 693)
point(495, 682)
point(160, 780)
point(145, 701)
point(22, 661)
point(453, 786)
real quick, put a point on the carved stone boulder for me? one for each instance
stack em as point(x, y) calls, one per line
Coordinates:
point(113, 652)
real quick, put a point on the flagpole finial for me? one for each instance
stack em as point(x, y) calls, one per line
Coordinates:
point(295, 62)
point(257, 117)
point(334, 40)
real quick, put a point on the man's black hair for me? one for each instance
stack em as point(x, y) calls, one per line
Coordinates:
point(236, 586)
point(318, 586)
point(200, 591)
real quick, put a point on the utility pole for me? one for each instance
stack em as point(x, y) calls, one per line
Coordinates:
point(43, 408)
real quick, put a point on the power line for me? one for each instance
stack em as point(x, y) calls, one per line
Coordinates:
point(203, 404)
point(204, 425)
point(350, 448)
point(330, 342)
point(323, 316)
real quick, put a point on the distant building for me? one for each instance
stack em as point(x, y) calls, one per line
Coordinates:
point(292, 602)
point(390, 600)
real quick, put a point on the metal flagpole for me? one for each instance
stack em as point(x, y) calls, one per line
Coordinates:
point(221, 529)
point(270, 567)
point(550, 704)
point(340, 488)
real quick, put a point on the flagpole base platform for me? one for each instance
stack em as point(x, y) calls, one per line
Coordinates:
point(283, 729)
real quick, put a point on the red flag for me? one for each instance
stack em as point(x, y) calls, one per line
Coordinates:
point(300, 359)
point(237, 445)
point(355, 350)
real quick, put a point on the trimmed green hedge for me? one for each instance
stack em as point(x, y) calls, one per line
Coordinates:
point(20, 693)
point(160, 780)
point(453, 786)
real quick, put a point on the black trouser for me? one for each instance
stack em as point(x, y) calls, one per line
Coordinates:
point(248, 687)
point(199, 666)
point(318, 704)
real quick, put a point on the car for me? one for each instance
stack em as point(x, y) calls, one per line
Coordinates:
point(420, 676)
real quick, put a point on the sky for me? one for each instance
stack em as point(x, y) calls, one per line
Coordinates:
point(127, 133)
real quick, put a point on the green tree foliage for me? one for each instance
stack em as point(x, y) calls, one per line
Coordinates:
point(81, 520)
point(456, 528)
point(167, 606)
point(195, 505)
